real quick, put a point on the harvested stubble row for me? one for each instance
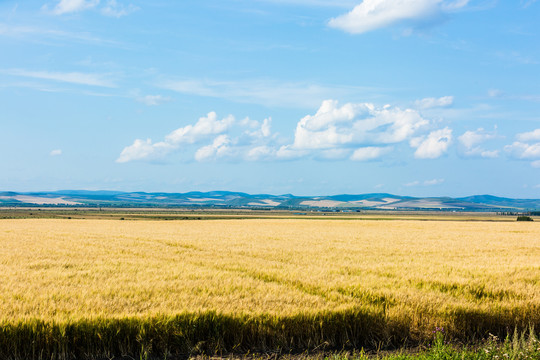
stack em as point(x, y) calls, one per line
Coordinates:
point(69, 288)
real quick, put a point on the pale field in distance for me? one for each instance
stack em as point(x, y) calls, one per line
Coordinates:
point(75, 269)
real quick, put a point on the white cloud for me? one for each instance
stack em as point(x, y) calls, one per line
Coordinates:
point(369, 153)
point(522, 150)
point(67, 77)
point(56, 152)
point(425, 183)
point(375, 14)
point(144, 150)
point(495, 93)
point(355, 124)
point(153, 100)
point(470, 143)
point(260, 153)
point(428, 103)
point(114, 9)
point(432, 146)
point(358, 132)
point(287, 152)
point(334, 154)
point(489, 154)
point(433, 182)
point(218, 148)
point(208, 125)
point(70, 6)
point(203, 128)
point(262, 130)
point(412, 183)
point(328, 3)
point(261, 91)
point(529, 136)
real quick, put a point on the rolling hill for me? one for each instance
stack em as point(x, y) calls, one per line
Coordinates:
point(226, 199)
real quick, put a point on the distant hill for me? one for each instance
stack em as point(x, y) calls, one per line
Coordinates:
point(227, 199)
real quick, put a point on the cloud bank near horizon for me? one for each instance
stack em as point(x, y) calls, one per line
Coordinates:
point(353, 131)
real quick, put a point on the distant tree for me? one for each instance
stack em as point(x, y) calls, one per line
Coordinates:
point(524, 218)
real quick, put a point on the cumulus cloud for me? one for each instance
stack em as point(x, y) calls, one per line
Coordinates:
point(204, 127)
point(288, 152)
point(144, 150)
point(354, 131)
point(470, 143)
point(262, 152)
point(369, 153)
point(527, 147)
point(522, 150)
point(355, 124)
point(218, 148)
point(428, 103)
point(247, 139)
point(208, 125)
point(375, 14)
point(529, 136)
point(433, 145)
point(260, 130)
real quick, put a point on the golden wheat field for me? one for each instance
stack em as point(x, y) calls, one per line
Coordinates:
point(415, 275)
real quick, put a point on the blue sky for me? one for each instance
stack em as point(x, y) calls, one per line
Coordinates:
point(310, 97)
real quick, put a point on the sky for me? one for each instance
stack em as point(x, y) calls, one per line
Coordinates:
point(309, 97)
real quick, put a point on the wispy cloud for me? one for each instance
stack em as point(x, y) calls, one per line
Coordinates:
point(370, 15)
point(56, 152)
point(526, 3)
point(37, 34)
point(66, 77)
point(262, 91)
point(115, 9)
point(323, 3)
point(428, 103)
point(112, 8)
point(71, 6)
point(431, 182)
point(499, 94)
point(517, 57)
point(153, 100)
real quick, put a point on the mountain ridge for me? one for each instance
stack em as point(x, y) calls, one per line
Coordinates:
point(230, 199)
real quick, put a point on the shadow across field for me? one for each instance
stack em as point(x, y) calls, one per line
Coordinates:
point(182, 336)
